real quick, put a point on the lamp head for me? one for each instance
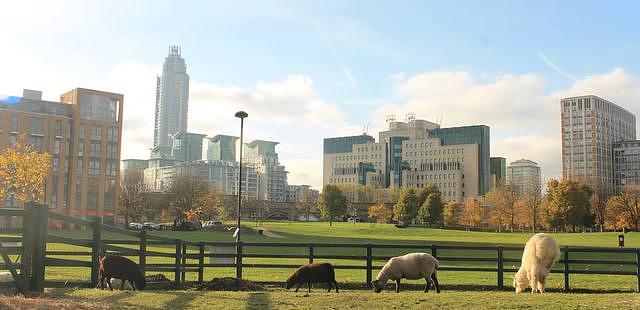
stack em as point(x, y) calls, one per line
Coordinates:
point(241, 114)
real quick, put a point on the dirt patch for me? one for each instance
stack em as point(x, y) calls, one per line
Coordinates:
point(19, 302)
point(230, 284)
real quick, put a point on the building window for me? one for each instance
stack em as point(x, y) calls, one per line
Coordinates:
point(92, 194)
point(96, 133)
point(56, 164)
point(13, 139)
point(36, 143)
point(99, 108)
point(56, 146)
point(112, 151)
point(94, 150)
point(81, 133)
point(111, 168)
point(14, 123)
point(94, 167)
point(79, 170)
point(81, 148)
point(112, 134)
point(36, 127)
point(58, 128)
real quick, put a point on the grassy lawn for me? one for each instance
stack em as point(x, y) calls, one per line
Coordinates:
point(319, 299)
point(361, 233)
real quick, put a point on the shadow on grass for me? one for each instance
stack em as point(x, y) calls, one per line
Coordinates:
point(258, 301)
point(111, 299)
point(452, 287)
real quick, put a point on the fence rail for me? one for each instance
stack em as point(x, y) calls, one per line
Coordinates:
point(189, 257)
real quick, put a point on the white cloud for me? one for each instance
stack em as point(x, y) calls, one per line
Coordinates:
point(288, 111)
point(524, 117)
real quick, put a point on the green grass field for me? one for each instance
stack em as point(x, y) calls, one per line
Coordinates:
point(319, 299)
point(301, 232)
point(474, 290)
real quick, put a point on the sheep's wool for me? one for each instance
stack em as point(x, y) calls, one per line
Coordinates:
point(540, 254)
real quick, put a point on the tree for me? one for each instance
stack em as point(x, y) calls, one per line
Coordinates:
point(472, 213)
point(502, 201)
point(380, 213)
point(189, 191)
point(532, 207)
point(599, 209)
point(406, 209)
point(624, 209)
point(452, 214)
point(208, 206)
point(431, 210)
point(424, 193)
point(23, 173)
point(332, 203)
point(567, 204)
point(131, 198)
point(308, 202)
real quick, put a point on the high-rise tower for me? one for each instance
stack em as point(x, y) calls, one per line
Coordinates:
point(172, 102)
point(590, 125)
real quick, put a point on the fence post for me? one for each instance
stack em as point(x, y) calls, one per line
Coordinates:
point(239, 260)
point(96, 250)
point(201, 263)
point(500, 268)
point(177, 281)
point(39, 252)
point(638, 267)
point(184, 262)
point(434, 250)
point(566, 269)
point(143, 251)
point(369, 266)
point(310, 254)
point(28, 244)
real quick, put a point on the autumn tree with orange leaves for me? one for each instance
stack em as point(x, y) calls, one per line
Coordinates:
point(623, 211)
point(23, 173)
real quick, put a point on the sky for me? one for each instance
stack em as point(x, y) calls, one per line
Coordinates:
point(307, 70)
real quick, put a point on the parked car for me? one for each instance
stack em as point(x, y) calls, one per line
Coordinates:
point(213, 225)
point(150, 226)
point(135, 226)
point(353, 219)
point(185, 225)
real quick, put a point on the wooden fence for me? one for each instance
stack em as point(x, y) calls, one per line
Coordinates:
point(190, 257)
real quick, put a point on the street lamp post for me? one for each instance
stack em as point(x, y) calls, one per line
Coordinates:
point(241, 115)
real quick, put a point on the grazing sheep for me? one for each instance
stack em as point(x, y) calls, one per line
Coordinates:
point(112, 266)
point(410, 266)
point(118, 283)
point(540, 253)
point(313, 273)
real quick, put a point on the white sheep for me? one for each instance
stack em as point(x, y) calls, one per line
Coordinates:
point(540, 253)
point(117, 283)
point(411, 266)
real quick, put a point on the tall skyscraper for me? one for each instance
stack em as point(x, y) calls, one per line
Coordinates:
point(172, 102)
point(590, 125)
point(525, 176)
point(498, 171)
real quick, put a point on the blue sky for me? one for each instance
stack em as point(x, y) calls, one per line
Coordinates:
point(326, 68)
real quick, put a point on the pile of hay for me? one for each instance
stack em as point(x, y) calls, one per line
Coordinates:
point(230, 284)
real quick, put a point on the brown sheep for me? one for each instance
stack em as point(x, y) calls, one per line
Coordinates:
point(313, 273)
point(112, 266)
